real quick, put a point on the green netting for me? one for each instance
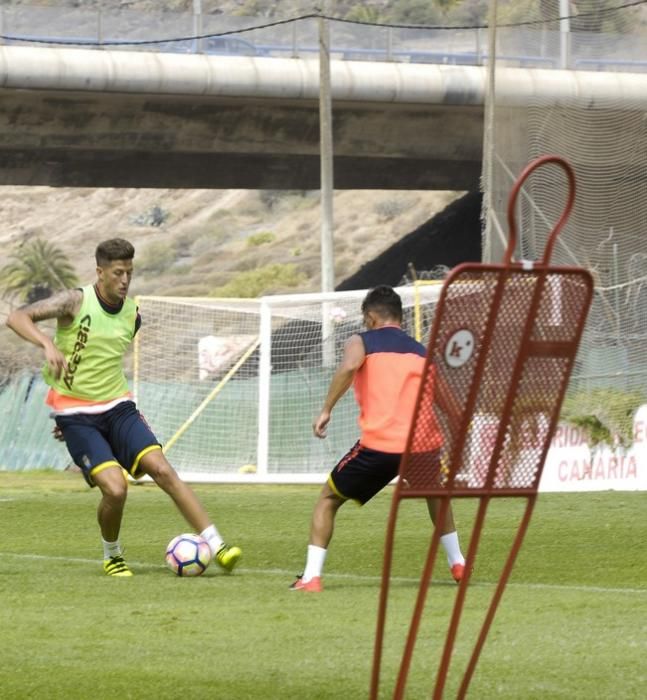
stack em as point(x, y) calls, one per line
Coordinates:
point(26, 440)
point(167, 406)
point(291, 443)
point(292, 447)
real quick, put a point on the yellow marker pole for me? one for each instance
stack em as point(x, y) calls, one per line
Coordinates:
point(416, 311)
point(136, 360)
point(214, 392)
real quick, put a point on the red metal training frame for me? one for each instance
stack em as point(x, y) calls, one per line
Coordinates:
point(501, 351)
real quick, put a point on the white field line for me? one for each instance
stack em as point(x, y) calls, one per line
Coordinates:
point(354, 577)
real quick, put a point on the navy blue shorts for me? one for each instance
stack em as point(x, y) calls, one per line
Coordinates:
point(363, 472)
point(118, 437)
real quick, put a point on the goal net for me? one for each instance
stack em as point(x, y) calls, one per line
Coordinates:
point(231, 386)
point(584, 99)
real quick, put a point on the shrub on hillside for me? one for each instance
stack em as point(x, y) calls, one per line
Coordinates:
point(388, 209)
point(157, 257)
point(208, 240)
point(272, 198)
point(261, 238)
point(254, 283)
point(155, 216)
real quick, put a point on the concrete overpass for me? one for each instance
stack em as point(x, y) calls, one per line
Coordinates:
point(79, 117)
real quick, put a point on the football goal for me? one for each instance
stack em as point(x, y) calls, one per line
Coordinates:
point(231, 386)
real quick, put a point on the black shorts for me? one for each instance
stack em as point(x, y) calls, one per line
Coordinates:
point(118, 437)
point(363, 472)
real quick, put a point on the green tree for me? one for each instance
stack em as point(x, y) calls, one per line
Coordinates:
point(519, 11)
point(446, 6)
point(471, 12)
point(36, 270)
point(262, 280)
point(363, 13)
point(414, 12)
point(601, 16)
point(587, 15)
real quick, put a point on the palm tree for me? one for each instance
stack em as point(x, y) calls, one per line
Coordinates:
point(37, 269)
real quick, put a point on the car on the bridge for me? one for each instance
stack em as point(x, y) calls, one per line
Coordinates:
point(231, 45)
point(214, 45)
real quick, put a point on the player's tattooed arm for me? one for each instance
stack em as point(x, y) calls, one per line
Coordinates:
point(63, 307)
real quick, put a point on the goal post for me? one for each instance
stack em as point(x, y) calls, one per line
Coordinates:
point(194, 374)
point(231, 386)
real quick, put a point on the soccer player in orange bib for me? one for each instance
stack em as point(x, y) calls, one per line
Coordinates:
point(94, 411)
point(385, 366)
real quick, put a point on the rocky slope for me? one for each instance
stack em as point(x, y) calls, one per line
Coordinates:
point(234, 242)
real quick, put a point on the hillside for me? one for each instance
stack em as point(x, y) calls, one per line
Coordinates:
point(209, 239)
point(587, 15)
point(235, 242)
point(451, 237)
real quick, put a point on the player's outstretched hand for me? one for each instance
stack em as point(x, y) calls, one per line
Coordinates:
point(320, 424)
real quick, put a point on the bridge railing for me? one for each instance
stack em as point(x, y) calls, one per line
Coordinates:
point(177, 32)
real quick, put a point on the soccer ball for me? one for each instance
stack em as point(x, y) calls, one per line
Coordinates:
point(188, 555)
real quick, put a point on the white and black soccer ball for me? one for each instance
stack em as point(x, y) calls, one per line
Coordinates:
point(188, 555)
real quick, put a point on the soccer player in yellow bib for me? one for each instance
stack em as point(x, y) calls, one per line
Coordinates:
point(92, 405)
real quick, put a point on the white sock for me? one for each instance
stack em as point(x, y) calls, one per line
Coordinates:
point(111, 549)
point(452, 548)
point(213, 538)
point(314, 562)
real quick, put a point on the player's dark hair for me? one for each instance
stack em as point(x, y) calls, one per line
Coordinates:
point(384, 301)
point(113, 249)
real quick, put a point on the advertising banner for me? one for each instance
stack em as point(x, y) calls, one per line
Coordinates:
point(571, 464)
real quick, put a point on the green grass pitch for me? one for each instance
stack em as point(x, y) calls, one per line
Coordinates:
point(572, 622)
